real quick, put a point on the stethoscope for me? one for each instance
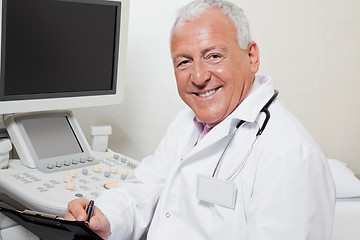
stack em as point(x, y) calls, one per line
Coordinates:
point(265, 109)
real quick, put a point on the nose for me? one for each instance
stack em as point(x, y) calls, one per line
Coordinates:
point(200, 73)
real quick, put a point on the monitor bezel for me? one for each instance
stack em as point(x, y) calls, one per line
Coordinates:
point(71, 100)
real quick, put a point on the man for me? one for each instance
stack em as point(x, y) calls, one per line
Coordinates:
point(208, 179)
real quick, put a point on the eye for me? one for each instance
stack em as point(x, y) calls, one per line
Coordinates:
point(214, 58)
point(183, 64)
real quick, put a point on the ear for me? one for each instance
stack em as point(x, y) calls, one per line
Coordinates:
point(254, 55)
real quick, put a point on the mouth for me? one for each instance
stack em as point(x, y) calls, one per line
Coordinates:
point(207, 93)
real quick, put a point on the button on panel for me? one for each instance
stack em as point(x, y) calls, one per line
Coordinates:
point(72, 173)
point(113, 169)
point(68, 178)
point(97, 168)
point(70, 185)
point(110, 185)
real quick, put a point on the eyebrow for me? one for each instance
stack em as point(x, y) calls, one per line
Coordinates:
point(219, 47)
point(203, 52)
point(181, 55)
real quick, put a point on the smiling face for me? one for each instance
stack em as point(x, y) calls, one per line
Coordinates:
point(213, 73)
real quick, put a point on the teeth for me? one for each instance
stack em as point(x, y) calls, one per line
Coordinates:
point(206, 94)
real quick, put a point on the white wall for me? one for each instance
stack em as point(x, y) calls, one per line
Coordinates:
point(310, 48)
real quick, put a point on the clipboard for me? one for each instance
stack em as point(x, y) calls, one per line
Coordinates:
point(51, 227)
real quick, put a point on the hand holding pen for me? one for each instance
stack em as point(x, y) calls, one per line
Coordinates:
point(84, 210)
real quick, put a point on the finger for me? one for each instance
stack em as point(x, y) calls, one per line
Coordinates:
point(69, 216)
point(100, 224)
point(76, 209)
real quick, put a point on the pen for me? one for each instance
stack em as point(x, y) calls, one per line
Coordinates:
point(89, 211)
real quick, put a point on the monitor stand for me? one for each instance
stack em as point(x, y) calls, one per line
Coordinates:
point(3, 132)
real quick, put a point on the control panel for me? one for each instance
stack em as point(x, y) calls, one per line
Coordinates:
point(51, 192)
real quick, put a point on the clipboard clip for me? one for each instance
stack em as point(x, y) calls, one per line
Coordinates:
point(36, 213)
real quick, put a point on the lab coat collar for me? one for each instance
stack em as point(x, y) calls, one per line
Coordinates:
point(248, 110)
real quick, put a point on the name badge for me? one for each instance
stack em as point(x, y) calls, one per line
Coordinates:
point(217, 191)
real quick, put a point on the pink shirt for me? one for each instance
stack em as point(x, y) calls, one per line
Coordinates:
point(203, 129)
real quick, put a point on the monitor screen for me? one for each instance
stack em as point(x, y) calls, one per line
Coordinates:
point(51, 136)
point(66, 50)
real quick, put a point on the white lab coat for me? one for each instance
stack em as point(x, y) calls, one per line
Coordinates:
point(284, 192)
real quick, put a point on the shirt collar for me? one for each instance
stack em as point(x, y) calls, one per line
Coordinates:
point(199, 125)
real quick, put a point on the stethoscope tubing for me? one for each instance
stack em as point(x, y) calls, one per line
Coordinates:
point(258, 134)
point(226, 147)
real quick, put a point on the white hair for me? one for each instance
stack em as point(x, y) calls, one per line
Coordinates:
point(197, 8)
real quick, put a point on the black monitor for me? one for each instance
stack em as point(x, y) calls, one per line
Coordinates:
point(62, 54)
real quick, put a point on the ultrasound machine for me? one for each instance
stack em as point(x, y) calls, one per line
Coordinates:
point(58, 55)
